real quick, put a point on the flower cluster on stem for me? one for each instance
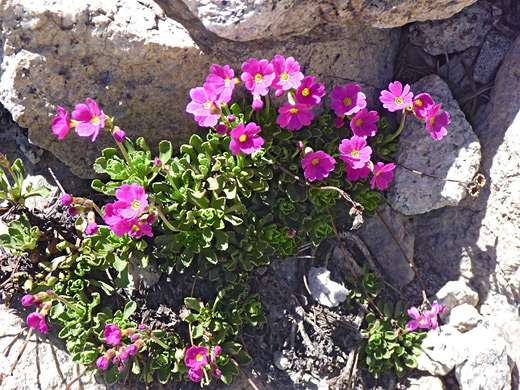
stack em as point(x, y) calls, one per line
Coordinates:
point(198, 359)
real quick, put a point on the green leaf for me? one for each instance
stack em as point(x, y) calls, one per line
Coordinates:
point(129, 309)
point(410, 361)
point(192, 304)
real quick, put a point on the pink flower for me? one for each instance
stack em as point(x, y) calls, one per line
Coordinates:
point(287, 74)
point(221, 129)
point(363, 124)
point(138, 228)
point(258, 103)
point(195, 374)
point(382, 175)
point(348, 100)
point(310, 93)
point(112, 334)
point(61, 124)
point(28, 300)
point(353, 174)
point(132, 349)
point(91, 119)
point(91, 229)
point(215, 371)
point(355, 152)
point(66, 200)
point(222, 79)
point(421, 104)
point(398, 98)
point(432, 314)
point(119, 135)
point(132, 200)
point(102, 363)
point(258, 76)
point(203, 105)
point(436, 122)
point(338, 122)
point(316, 166)
point(245, 140)
point(196, 357)
point(37, 320)
point(294, 117)
point(419, 320)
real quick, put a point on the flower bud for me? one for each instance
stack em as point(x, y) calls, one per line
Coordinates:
point(102, 363)
point(119, 135)
point(110, 354)
point(3, 161)
point(157, 162)
point(231, 118)
point(258, 103)
point(135, 337)
point(221, 129)
point(131, 349)
point(291, 233)
point(66, 200)
point(28, 300)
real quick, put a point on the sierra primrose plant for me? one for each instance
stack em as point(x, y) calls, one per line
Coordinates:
point(263, 177)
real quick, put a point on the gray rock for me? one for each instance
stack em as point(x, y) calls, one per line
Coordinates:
point(464, 317)
point(126, 55)
point(467, 28)
point(260, 19)
point(425, 383)
point(486, 362)
point(491, 55)
point(455, 157)
point(453, 294)
point(44, 365)
point(441, 351)
point(325, 291)
point(383, 247)
point(141, 277)
point(281, 361)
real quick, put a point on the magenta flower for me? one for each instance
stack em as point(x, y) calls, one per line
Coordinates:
point(221, 129)
point(258, 103)
point(354, 174)
point(112, 334)
point(310, 93)
point(436, 122)
point(382, 175)
point(91, 229)
point(37, 320)
point(66, 200)
point(258, 76)
point(61, 124)
point(222, 79)
point(195, 374)
point(294, 117)
point(132, 349)
point(419, 320)
point(28, 300)
point(421, 104)
point(287, 74)
point(196, 357)
point(316, 166)
point(338, 122)
point(432, 314)
point(215, 371)
point(91, 119)
point(398, 98)
point(132, 200)
point(138, 228)
point(203, 105)
point(102, 363)
point(348, 100)
point(363, 124)
point(119, 135)
point(245, 140)
point(355, 152)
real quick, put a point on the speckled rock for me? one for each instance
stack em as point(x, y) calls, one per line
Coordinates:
point(464, 317)
point(467, 28)
point(491, 55)
point(259, 19)
point(383, 247)
point(441, 351)
point(455, 157)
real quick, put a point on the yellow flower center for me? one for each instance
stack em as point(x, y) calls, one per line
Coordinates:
point(421, 321)
point(135, 228)
point(136, 204)
point(207, 105)
point(306, 92)
point(226, 82)
point(398, 100)
point(316, 161)
point(243, 138)
point(432, 121)
point(378, 173)
point(258, 77)
point(284, 76)
point(199, 357)
point(95, 120)
point(355, 153)
point(418, 103)
point(347, 101)
point(294, 111)
point(359, 122)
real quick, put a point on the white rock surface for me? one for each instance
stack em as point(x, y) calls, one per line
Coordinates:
point(464, 317)
point(441, 351)
point(425, 383)
point(455, 157)
point(325, 291)
point(455, 293)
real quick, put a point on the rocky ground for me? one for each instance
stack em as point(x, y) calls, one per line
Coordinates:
point(467, 251)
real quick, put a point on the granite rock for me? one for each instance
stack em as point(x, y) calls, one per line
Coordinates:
point(455, 157)
point(464, 317)
point(325, 291)
point(491, 54)
point(455, 293)
point(441, 351)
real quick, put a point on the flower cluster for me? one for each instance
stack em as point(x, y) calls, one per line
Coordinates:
point(426, 319)
point(422, 106)
point(197, 360)
point(78, 206)
point(129, 214)
point(43, 303)
point(120, 353)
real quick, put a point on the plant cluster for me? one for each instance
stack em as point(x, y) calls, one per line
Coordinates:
point(257, 182)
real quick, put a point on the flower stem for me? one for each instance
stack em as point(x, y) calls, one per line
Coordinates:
point(98, 210)
point(67, 303)
point(158, 341)
point(401, 126)
point(126, 156)
point(163, 218)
